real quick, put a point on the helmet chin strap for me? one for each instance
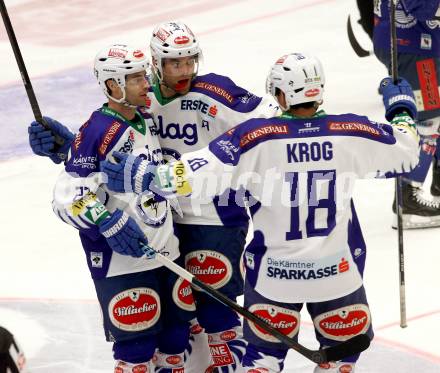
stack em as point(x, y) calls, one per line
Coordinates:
point(318, 103)
point(158, 74)
point(122, 100)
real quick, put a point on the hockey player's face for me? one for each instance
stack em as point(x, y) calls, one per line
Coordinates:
point(136, 88)
point(178, 73)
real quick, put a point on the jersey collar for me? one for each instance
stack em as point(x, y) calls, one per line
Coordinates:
point(158, 94)
point(319, 114)
point(138, 123)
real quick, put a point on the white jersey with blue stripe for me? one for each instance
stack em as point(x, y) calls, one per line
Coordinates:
point(190, 122)
point(81, 199)
point(299, 176)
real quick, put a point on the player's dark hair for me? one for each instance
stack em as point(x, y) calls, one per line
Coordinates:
point(304, 105)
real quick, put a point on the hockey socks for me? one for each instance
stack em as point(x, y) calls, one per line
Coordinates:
point(168, 363)
point(260, 359)
point(227, 349)
point(332, 367)
point(197, 354)
point(125, 367)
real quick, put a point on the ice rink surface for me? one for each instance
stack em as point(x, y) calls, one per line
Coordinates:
point(46, 296)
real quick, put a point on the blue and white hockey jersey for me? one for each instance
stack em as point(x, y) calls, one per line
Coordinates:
point(190, 122)
point(414, 36)
point(299, 175)
point(81, 199)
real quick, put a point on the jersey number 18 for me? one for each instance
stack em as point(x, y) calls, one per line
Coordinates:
point(315, 184)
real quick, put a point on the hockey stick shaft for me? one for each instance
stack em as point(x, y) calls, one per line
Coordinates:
point(361, 52)
point(401, 260)
point(350, 347)
point(23, 71)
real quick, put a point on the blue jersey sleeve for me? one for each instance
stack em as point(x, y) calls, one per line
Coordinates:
point(224, 90)
point(78, 198)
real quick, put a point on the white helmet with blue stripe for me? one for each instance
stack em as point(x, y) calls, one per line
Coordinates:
point(115, 62)
point(300, 77)
point(173, 40)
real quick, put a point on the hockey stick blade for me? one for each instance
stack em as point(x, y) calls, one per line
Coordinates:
point(361, 52)
point(350, 347)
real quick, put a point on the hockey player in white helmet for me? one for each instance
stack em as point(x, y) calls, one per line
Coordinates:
point(307, 246)
point(176, 55)
point(146, 309)
point(418, 61)
point(190, 111)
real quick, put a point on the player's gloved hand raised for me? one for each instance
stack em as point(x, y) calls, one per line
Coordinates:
point(397, 98)
point(42, 140)
point(421, 9)
point(129, 174)
point(123, 234)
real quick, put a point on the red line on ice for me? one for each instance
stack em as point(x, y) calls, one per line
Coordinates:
point(69, 23)
point(417, 317)
point(412, 350)
point(88, 33)
point(46, 300)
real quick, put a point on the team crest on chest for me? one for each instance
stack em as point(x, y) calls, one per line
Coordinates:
point(152, 212)
point(404, 20)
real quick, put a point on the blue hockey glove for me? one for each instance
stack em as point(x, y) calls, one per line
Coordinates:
point(123, 234)
point(397, 98)
point(42, 140)
point(423, 10)
point(129, 174)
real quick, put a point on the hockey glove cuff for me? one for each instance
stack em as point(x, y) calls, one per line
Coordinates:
point(171, 179)
point(123, 234)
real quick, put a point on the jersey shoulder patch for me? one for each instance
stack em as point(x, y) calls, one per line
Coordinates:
point(359, 126)
point(93, 141)
point(243, 137)
point(107, 129)
point(256, 131)
point(224, 90)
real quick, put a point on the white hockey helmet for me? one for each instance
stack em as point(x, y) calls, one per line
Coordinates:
point(172, 40)
point(299, 76)
point(116, 62)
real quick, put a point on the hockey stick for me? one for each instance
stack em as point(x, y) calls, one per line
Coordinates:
point(59, 141)
point(350, 347)
point(395, 76)
point(361, 52)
